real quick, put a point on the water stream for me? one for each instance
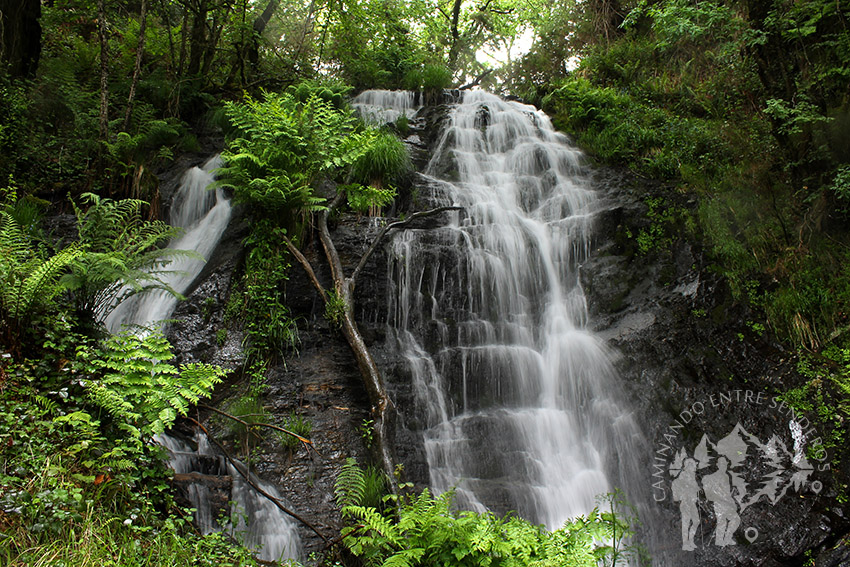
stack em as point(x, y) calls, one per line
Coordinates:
point(519, 399)
point(204, 215)
point(378, 107)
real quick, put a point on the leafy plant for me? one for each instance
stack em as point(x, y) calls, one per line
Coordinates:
point(123, 255)
point(281, 144)
point(139, 388)
point(350, 484)
point(385, 159)
point(436, 78)
point(270, 329)
point(335, 308)
point(425, 530)
point(29, 279)
point(297, 424)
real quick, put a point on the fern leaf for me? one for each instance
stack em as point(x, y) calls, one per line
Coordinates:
point(350, 485)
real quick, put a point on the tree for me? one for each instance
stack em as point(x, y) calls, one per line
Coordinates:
point(20, 36)
point(280, 148)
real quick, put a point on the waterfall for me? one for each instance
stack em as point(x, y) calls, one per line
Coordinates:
point(518, 400)
point(267, 530)
point(378, 107)
point(204, 214)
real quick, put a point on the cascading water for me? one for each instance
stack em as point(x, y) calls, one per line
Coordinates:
point(519, 398)
point(267, 530)
point(379, 107)
point(204, 214)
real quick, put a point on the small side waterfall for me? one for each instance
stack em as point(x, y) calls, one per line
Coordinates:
point(379, 107)
point(268, 530)
point(519, 399)
point(204, 215)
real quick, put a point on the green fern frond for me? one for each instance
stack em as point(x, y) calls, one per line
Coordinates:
point(372, 520)
point(405, 558)
point(139, 387)
point(350, 485)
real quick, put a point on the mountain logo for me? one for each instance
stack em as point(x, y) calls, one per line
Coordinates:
point(714, 476)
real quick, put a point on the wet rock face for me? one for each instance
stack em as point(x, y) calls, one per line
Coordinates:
point(678, 337)
point(688, 356)
point(319, 382)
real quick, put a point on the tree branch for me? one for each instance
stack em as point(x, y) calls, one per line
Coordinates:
point(238, 466)
point(332, 255)
point(476, 81)
point(307, 443)
point(392, 226)
point(307, 267)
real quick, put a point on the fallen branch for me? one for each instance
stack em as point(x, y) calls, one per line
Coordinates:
point(238, 466)
point(307, 443)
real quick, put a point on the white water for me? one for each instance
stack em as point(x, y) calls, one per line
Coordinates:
point(519, 399)
point(203, 214)
point(269, 531)
point(378, 107)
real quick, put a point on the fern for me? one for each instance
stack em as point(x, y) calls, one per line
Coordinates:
point(123, 254)
point(28, 281)
point(350, 485)
point(372, 520)
point(426, 531)
point(140, 388)
point(283, 143)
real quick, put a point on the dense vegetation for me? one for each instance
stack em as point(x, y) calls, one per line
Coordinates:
point(743, 104)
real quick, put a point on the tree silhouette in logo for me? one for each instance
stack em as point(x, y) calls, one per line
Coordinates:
point(725, 486)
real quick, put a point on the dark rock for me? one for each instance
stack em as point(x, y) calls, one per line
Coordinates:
point(216, 488)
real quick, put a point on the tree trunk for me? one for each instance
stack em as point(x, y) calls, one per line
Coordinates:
point(372, 379)
point(104, 69)
point(259, 27)
point(20, 36)
point(137, 69)
point(198, 37)
point(382, 406)
point(454, 51)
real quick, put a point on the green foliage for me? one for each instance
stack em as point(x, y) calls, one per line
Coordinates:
point(335, 309)
point(29, 278)
point(373, 43)
point(824, 397)
point(78, 489)
point(270, 330)
point(425, 530)
point(350, 484)
point(385, 159)
point(122, 255)
point(139, 388)
point(154, 141)
point(617, 127)
point(281, 145)
point(436, 78)
point(297, 424)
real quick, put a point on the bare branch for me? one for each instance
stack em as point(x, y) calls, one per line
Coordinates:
point(331, 254)
point(307, 443)
point(476, 81)
point(238, 466)
point(392, 226)
point(307, 267)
